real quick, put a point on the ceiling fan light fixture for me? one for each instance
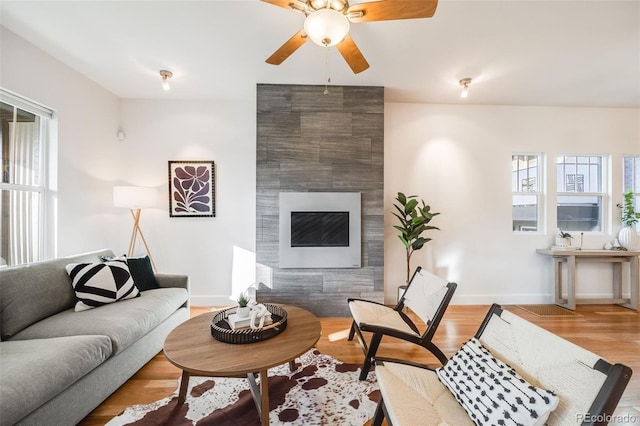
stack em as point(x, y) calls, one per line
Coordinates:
point(318, 4)
point(338, 5)
point(326, 27)
point(465, 82)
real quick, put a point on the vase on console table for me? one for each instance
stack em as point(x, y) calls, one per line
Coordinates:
point(628, 238)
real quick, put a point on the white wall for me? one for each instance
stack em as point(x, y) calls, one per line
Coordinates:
point(91, 160)
point(458, 159)
point(221, 131)
point(87, 117)
point(455, 157)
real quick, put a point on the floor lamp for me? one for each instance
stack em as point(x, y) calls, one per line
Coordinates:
point(135, 198)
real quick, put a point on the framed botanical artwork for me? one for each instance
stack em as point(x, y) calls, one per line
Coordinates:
point(192, 189)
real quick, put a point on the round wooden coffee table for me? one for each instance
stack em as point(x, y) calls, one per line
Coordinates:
point(191, 348)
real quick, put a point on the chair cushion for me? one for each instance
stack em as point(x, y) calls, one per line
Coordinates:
point(491, 391)
point(380, 315)
point(414, 396)
point(98, 284)
point(424, 294)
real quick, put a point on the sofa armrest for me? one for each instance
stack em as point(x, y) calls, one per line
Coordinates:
point(174, 280)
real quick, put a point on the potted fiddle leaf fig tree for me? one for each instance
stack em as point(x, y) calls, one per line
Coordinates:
point(628, 237)
point(414, 217)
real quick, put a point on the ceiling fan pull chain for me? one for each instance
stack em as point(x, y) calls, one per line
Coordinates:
point(326, 65)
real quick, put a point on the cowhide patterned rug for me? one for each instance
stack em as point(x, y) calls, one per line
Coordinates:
point(321, 391)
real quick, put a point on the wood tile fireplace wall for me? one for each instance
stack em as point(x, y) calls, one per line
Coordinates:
point(308, 141)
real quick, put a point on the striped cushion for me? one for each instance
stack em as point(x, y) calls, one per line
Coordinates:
point(98, 284)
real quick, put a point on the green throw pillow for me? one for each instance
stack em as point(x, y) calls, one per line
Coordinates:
point(141, 271)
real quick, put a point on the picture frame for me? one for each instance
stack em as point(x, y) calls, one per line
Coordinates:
point(192, 189)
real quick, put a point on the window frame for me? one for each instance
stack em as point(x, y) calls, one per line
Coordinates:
point(42, 188)
point(603, 194)
point(539, 193)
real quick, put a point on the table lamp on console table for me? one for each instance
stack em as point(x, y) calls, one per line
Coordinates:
point(135, 198)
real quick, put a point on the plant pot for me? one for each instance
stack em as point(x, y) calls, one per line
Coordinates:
point(243, 312)
point(563, 242)
point(628, 238)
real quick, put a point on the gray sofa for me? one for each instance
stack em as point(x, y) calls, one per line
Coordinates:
point(57, 365)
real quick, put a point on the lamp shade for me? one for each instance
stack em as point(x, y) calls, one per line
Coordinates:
point(326, 27)
point(134, 197)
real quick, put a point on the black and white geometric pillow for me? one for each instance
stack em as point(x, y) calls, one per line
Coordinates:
point(491, 392)
point(98, 284)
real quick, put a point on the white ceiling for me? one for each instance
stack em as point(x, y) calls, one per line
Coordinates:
point(518, 52)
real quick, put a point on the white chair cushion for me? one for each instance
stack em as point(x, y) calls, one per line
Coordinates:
point(425, 293)
point(380, 315)
point(414, 396)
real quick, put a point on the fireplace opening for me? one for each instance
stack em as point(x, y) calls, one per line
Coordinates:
point(319, 229)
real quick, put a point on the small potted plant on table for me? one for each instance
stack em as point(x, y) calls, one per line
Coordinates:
point(243, 308)
point(563, 239)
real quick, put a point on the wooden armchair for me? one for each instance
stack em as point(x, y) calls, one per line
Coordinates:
point(545, 379)
point(427, 295)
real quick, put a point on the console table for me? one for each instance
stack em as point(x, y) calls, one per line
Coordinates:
point(573, 257)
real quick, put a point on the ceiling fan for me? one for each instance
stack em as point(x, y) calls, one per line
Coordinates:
point(327, 24)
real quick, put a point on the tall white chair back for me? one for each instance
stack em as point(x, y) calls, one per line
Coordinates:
point(425, 294)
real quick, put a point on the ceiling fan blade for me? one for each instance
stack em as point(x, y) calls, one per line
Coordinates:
point(288, 4)
point(352, 55)
point(387, 10)
point(288, 48)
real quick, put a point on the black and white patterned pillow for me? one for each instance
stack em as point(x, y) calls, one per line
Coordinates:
point(98, 284)
point(491, 392)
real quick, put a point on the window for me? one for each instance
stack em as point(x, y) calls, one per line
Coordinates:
point(580, 185)
point(631, 179)
point(526, 184)
point(23, 142)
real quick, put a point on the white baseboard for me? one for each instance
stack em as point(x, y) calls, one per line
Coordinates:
point(502, 299)
point(460, 299)
point(517, 299)
point(212, 301)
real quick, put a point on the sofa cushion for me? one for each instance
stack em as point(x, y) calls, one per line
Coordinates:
point(491, 391)
point(45, 285)
point(98, 284)
point(141, 271)
point(124, 322)
point(34, 371)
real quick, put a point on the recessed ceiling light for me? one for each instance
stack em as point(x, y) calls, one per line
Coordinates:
point(166, 75)
point(465, 82)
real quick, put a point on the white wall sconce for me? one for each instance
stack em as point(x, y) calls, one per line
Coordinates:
point(166, 75)
point(465, 82)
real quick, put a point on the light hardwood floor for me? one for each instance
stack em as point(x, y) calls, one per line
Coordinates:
point(610, 331)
